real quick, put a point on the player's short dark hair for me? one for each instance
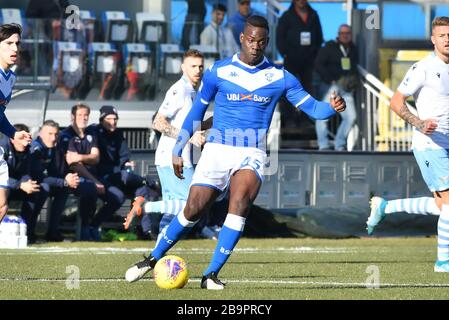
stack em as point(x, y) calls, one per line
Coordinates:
point(51, 123)
point(257, 21)
point(78, 106)
point(7, 30)
point(219, 7)
point(193, 53)
point(21, 127)
point(440, 21)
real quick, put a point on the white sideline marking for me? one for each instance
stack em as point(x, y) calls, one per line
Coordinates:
point(247, 281)
point(99, 250)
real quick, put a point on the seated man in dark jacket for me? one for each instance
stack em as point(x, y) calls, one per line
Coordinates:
point(21, 186)
point(50, 171)
point(115, 167)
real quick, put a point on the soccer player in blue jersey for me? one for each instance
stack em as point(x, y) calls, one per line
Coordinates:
point(9, 49)
point(246, 88)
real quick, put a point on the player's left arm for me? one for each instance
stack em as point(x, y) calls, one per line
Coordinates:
point(317, 110)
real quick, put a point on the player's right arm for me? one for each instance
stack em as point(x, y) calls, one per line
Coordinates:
point(399, 106)
point(413, 81)
point(206, 93)
point(162, 125)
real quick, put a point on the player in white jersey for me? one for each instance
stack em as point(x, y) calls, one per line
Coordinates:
point(246, 89)
point(428, 82)
point(168, 121)
point(9, 49)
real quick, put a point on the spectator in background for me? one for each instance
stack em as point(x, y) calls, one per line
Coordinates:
point(336, 65)
point(299, 37)
point(46, 170)
point(21, 186)
point(51, 10)
point(116, 167)
point(194, 23)
point(48, 16)
point(82, 156)
point(237, 21)
point(218, 36)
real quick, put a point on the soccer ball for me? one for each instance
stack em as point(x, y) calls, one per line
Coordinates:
point(171, 272)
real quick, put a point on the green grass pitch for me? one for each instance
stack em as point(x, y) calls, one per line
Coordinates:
point(259, 269)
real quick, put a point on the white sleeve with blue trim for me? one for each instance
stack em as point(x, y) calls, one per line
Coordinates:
point(301, 99)
point(413, 80)
point(173, 102)
point(206, 93)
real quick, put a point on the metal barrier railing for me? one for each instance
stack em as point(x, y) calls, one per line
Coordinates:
point(382, 129)
point(23, 88)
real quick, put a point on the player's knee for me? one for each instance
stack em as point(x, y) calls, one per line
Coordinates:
point(240, 203)
point(193, 210)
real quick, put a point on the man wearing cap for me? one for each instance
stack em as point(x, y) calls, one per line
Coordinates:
point(115, 167)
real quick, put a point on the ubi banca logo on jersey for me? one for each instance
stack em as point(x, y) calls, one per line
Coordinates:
point(247, 97)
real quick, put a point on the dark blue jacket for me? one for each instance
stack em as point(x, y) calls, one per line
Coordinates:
point(289, 28)
point(47, 167)
point(19, 163)
point(114, 151)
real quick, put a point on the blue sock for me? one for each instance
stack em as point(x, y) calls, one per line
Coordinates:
point(227, 240)
point(178, 226)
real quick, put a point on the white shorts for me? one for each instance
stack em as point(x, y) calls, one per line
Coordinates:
point(4, 175)
point(218, 162)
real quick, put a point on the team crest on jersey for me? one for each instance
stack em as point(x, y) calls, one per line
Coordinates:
point(89, 138)
point(269, 76)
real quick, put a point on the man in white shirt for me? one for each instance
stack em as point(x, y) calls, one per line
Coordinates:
point(169, 119)
point(217, 35)
point(428, 82)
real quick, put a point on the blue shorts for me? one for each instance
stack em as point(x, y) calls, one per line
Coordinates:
point(172, 186)
point(434, 166)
